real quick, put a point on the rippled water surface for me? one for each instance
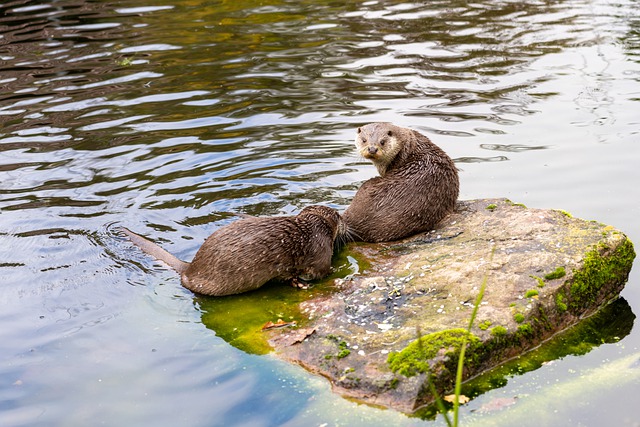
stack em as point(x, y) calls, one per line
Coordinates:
point(169, 116)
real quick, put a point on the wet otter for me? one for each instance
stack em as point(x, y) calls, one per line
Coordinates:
point(247, 253)
point(417, 187)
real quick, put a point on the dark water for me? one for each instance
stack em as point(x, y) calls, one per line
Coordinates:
point(167, 116)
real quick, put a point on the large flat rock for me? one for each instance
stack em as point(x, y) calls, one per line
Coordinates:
point(380, 335)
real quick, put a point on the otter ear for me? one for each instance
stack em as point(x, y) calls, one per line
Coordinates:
point(389, 133)
point(359, 130)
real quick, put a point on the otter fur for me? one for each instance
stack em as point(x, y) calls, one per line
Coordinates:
point(249, 252)
point(417, 187)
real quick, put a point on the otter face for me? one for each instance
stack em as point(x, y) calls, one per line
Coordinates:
point(370, 144)
point(379, 143)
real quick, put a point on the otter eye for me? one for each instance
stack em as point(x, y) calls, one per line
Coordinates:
point(382, 142)
point(389, 133)
point(364, 141)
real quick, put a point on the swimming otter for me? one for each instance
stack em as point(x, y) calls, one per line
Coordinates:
point(417, 187)
point(247, 253)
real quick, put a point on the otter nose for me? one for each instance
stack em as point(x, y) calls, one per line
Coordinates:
point(372, 150)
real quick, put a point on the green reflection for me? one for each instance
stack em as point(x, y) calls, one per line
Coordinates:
point(609, 325)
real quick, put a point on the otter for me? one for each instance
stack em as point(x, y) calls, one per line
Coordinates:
point(417, 187)
point(249, 252)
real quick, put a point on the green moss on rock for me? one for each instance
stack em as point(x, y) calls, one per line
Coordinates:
point(556, 274)
point(343, 350)
point(414, 359)
point(509, 202)
point(599, 270)
point(538, 280)
point(565, 213)
point(484, 325)
point(499, 331)
point(560, 304)
point(531, 293)
point(343, 353)
point(525, 329)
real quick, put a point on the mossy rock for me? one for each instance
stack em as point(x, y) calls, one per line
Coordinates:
point(416, 357)
point(403, 319)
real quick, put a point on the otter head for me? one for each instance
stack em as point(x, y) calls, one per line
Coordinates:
point(328, 215)
point(380, 143)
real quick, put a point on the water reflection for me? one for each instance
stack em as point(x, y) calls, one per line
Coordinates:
point(512, 148)
point(610, 325)
point(481, 159)
point(255, 90)
point(47, 49)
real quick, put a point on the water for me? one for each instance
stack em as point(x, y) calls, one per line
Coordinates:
point(167, 116)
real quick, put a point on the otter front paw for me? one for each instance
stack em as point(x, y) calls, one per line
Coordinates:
point(297, 282)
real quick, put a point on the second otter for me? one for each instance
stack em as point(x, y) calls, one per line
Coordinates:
point(249, 252)
point(417, 187)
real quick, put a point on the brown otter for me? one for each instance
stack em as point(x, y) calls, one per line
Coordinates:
point(417, 187)
point(249, 252)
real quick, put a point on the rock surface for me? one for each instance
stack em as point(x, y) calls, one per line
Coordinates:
point(380, 336)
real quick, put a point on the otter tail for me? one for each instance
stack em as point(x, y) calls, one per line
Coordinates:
point(156, 251)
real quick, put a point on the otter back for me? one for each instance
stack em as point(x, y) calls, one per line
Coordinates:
point(419, 185)
point(247, 253)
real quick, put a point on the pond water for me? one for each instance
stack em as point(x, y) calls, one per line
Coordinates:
point(169, 115)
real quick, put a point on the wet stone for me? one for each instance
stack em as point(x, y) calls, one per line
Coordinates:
point(383, 333)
